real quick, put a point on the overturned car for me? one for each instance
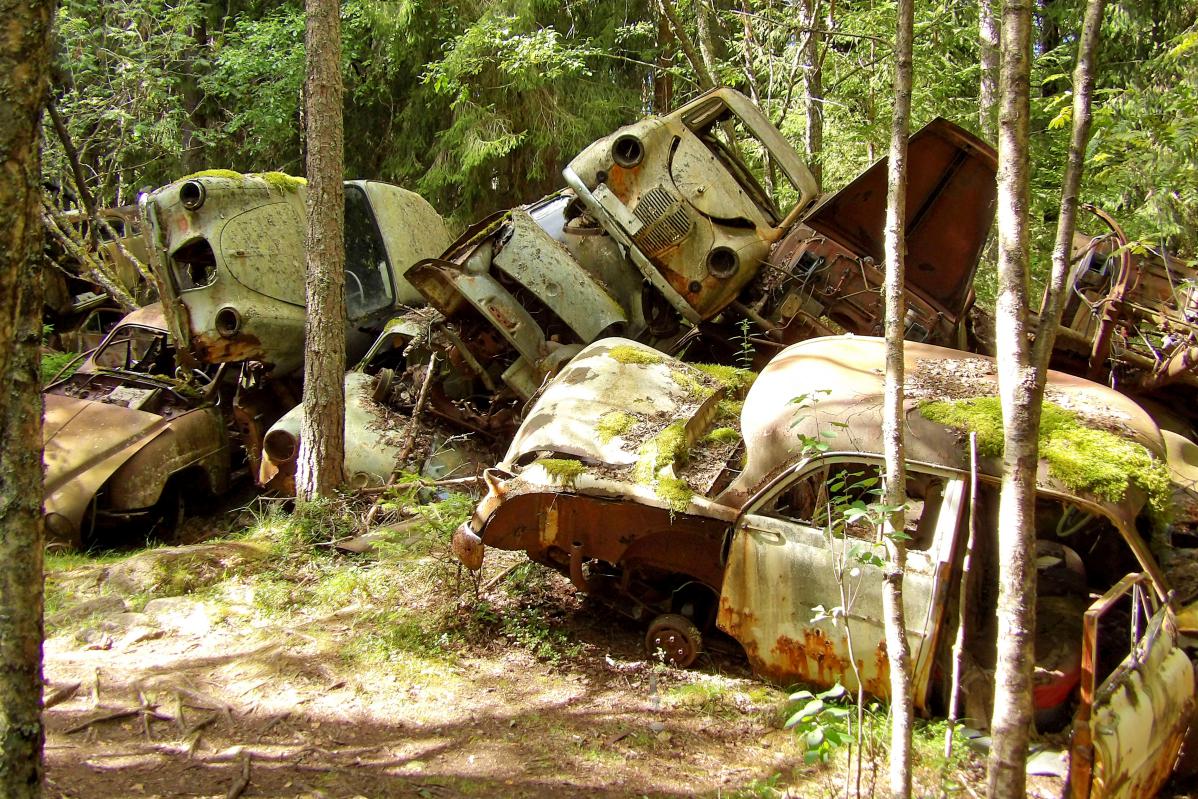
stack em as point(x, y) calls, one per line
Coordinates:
point(612, 480)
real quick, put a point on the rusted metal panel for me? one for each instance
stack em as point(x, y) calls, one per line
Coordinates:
point(1128, 731)
point(950, 206)
point(778, 572)
point(697, 224)
point(548, 270)
point(411, 229)
point(228, 256)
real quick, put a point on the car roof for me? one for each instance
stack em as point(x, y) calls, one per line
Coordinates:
point(843, 378)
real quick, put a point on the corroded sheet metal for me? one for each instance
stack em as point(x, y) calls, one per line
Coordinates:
point(374, 435)
point(950, 207)
point(548, 270)
point(412, 230)
point(852, 369)
point(1129, 729)
point(695, 220)
point(85, 443)
point(778, 572)
point(593, 384)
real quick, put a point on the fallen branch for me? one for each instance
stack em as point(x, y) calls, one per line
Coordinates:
point(60, 695)
point(410, 440)
point(494, 581)
point(238, 787)
point(119, 713)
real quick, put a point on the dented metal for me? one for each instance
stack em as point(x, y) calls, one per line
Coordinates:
point(228, 257)
point(127, 429)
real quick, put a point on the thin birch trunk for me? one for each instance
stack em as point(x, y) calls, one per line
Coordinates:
point(988, 56)
point(320, 466)
point(1083, 89)
point(892, 417)
point(1012, 713)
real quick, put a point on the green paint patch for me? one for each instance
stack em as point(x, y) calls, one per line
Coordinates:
point(227, 174)
point(614, 423)
point(282, 181)
point(1083, 458)
point(736, 380)
point(563, 471)
point(675, 492)
point(722, 435)
point(626, 353)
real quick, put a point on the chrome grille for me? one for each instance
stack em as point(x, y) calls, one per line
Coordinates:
point(665, 221)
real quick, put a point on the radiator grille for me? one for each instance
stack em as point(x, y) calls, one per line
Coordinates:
point(665, 221)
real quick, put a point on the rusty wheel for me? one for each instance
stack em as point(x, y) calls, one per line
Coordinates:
point(676, 638)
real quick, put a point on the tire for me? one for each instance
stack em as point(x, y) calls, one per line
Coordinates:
point(676, 638)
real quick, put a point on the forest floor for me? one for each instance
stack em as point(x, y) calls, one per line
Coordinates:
point(256, 663)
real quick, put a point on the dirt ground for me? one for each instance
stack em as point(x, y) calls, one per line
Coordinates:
point(240, 667)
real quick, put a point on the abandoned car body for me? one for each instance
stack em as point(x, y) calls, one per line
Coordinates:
point(755, 555)
point(129, 437)
point(227, 251)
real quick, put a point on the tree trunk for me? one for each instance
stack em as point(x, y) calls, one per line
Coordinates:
point(322, 436)
point(24, 84)
point(988, 55)
point(813, 89)
point(707, 39)
point(1083, 88)
point(1021, 420)
point(892, 418)
point(704, 77)
point(663, 80)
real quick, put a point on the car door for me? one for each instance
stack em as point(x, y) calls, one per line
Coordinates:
point(799, 563)
point(1129, 727)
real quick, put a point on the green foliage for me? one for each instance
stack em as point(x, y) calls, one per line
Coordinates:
point(822, 720)
point(613, 424)
point(53, 362)
point(1083, 458)
point(626, 353)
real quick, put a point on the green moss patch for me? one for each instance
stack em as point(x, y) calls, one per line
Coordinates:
point(667, 448)
point(626, 353)
point(614, 423)
point(1083, 458)
point(736, 380)
point(675, 492)
point(282, 181)
point(228, 174)
point(691, 384)
point(722, 435)
point(563, 471)
point(729, 411)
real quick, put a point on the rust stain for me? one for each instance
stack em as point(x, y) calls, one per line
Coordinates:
point(218, 349)
point(879, 684)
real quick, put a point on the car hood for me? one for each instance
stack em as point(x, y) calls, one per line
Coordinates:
point(950, 207)
point(85, 442)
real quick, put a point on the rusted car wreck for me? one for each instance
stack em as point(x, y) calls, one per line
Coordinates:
point(635, 509)
point(129, 437)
